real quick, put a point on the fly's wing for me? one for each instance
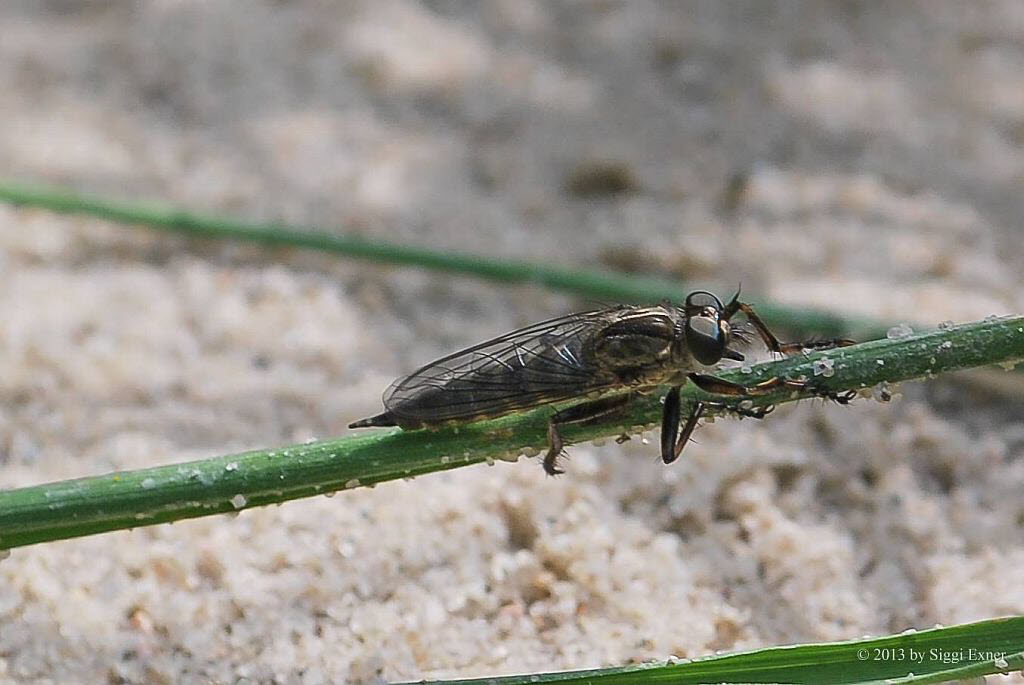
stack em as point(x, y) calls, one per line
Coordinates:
point(536, 365)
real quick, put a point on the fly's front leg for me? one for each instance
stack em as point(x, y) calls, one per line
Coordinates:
point(715, 385)
point(580, 414)
point(769, 338)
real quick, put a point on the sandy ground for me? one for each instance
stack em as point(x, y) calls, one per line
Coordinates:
point(881, 147)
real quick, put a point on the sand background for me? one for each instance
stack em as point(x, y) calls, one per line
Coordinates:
point(881, 147)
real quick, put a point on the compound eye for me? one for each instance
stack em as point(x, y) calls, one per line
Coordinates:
point(705, 338)
point(700, 300)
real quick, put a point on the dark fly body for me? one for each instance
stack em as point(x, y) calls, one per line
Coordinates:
point(609, 353)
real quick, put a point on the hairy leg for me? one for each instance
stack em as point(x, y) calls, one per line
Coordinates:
point(673, 440)
point(769, 338)
point(579, 414)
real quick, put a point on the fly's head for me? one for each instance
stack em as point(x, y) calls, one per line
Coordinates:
point(706, 333)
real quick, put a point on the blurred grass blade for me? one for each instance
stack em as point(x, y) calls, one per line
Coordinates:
point(930, 656)
point(591, 283)
point(230, 483)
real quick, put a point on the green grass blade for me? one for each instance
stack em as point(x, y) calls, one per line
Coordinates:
point(225, 484)
point(928, 656)
point(591, 283)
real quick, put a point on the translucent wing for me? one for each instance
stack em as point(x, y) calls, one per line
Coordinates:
point(543, 363)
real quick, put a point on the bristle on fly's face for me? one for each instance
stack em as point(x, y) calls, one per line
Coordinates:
point(742, 335)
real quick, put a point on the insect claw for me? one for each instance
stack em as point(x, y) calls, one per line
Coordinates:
point(846, 397)
point(551, 463)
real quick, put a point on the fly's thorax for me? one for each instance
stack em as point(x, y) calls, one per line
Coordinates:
point(636, 338)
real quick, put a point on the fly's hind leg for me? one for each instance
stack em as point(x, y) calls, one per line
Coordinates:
point(579, 414)
point(769, 338)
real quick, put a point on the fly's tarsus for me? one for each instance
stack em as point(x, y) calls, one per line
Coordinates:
point(739, 410)
point(599, 359)
point(815, 390)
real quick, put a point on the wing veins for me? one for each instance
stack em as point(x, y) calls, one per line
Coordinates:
point(527, 367)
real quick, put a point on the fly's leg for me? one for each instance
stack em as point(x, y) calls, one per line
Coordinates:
point(684, 437)
point(740, 410)
point(670, 414)
point(555, 450)
point(720, 386)
point(672, 445)
point(711, 384)
point(769, 338)
point(580, 414)
point(673, 441)
point(815, 390)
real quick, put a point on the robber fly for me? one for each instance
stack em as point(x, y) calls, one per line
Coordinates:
point(603, 358)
